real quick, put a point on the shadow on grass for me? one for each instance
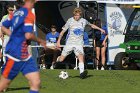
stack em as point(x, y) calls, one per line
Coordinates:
point(15, 89)
point(88, 76)
point(22, 88)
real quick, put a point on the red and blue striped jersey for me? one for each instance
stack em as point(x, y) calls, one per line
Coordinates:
point(21, 22)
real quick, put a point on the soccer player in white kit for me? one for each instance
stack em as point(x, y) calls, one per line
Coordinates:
point(75, 26)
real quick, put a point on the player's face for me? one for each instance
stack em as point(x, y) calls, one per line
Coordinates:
point(29, 4)
point(77, 16)
point(10, 11)
point(32, 4)
point(53, 29)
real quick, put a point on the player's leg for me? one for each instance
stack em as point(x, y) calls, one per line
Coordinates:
point(9, 71)
point(103, 58)
point(4, 83)
point(81, 62)
point(66, 51)
point(34, 81)
point(55, 55)
point(30, 71)
point(6, 39)
point(98, 45)
point(97, 57)
point(42, 59)
point(61, 58)
point(79, 52)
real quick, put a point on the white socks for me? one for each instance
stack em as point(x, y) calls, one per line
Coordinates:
point(81, 67)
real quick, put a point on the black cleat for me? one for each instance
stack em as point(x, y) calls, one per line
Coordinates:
point(84, 74)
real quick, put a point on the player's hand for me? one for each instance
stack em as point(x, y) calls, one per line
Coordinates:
point(102, 31)
point(58, 46)
point(43, 43)
point(104, 44)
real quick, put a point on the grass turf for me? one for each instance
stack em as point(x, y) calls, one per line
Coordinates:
point(108, 81)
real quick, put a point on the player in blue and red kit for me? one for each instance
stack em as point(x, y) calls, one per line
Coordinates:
point(17, 57)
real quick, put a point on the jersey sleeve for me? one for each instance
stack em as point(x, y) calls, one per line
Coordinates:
point(87, 22)
point(8, 22)
point(66, 26)
point(29, 22)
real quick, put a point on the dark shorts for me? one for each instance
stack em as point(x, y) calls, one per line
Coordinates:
point(11, 68)
point(99, 43)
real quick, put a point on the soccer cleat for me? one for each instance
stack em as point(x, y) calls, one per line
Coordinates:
point(83, 75)
point(43, 67)
point(97, 68)
point(102, 68)
point(52, 67)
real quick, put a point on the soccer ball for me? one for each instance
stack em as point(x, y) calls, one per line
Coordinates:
point(63, 75)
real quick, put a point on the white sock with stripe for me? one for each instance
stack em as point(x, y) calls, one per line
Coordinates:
point(81, 67)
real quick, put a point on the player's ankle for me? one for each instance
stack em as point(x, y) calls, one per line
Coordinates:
point(33, 91)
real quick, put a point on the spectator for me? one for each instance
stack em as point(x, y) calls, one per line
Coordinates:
point(4, 37)
point(86, 39)
point(51, 38)
point(100, 44)
point(53, 35)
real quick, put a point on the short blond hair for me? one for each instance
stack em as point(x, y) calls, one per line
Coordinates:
point(77, 10)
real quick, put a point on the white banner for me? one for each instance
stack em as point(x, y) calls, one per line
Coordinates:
point(119, 1)
point(99, 1)
point(116, 25)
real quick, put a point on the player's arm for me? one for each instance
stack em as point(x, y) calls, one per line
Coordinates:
point(1, 33)
point(104, 42)
point(64, 29)
point(5, 30)
point(106, 38)
point(31, 36)
point(28, 29)
point(5, 26)
point(60, 37)
point(98, 28)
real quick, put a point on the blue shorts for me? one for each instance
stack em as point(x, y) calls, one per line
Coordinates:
point(11, 68)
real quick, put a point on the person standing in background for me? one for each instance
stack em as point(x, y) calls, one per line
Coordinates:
point(4, 37)
point(17, 57)
point(100, 44)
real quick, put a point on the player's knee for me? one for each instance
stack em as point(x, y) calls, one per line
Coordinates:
point(61, 59)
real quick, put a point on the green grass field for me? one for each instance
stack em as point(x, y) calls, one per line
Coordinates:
point(108, 81)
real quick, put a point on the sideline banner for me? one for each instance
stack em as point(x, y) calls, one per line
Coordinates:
point(99, 1)
point(116, 22)
point(119, 1)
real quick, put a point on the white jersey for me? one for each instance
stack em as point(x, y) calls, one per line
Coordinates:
point(6, 37)
point(75, 31)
